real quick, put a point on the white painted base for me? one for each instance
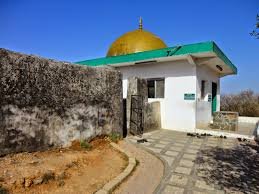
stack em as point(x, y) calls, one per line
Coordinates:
point(257, 132)
point(248, 119)
point(229, 135)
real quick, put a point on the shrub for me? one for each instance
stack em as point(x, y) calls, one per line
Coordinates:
point(48, 176)
point(246, 103)
point(84, 144)
point(115, 137)
point(3, 190)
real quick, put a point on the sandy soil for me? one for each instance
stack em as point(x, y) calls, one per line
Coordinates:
point(73, 170)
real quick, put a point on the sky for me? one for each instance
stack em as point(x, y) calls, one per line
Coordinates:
point(81, 29)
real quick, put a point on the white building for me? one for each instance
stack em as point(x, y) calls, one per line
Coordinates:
point(184, 79)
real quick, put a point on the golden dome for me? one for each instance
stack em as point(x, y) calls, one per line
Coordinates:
point(135, 41)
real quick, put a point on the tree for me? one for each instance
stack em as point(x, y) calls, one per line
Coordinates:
point(245, 102)
point(255, 33)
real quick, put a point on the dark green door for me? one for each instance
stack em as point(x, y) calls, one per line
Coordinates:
point(214, 97)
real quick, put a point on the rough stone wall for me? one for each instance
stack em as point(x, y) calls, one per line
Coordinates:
point(151, 111)
point(225, 120)
point(136, 86)
point(44, 103)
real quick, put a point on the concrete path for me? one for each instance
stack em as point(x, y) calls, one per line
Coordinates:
point(145, 178)
point(181, 153)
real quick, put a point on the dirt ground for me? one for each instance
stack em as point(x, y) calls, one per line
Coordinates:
point(72, 170)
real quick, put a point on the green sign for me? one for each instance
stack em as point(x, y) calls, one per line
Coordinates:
point(189, 96)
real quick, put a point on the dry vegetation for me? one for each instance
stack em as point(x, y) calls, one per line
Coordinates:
point(246, 103)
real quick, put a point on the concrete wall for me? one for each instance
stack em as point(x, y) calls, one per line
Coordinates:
point(44, 103)
point(204, 112)
point(180, 78)
point(152, 116)
point(248, 119)
point(256, 132)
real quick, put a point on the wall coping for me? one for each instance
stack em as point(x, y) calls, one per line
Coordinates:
point(112, 184)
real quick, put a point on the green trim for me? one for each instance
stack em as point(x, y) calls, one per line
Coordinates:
point(165, 52)
point(224, 58)
point(214, 97)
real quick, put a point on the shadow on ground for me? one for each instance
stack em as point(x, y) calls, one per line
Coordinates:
point(234, 170)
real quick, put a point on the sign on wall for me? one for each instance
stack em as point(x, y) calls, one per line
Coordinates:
point(189, 96)
point(209, 98)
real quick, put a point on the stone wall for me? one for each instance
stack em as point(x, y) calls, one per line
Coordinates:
point(44, 103)
point(136, 86)
point(151, 111)
point(225, 120)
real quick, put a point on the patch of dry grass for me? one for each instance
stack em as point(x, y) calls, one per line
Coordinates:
point(246, 103)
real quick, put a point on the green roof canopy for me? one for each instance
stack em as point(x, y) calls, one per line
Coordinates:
point(198, 48)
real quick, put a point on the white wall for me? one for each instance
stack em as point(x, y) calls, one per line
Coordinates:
point(203, 114)
point(248, 119)
point(125, 87)
point(180, 78)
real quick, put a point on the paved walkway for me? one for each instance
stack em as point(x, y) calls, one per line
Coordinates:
point(138, 182)
point(181, 153)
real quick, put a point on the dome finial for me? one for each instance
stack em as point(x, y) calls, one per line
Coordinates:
point(140, 26)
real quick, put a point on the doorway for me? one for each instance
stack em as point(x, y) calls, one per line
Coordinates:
point(124, 118)
point(214, 97)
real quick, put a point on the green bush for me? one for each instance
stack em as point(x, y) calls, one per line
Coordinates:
point(84, 144)
point(246, 103)
point(114, 137)
point(3, 190)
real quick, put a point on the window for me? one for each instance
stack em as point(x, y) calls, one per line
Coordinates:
point(156, 88)
point(203, 84)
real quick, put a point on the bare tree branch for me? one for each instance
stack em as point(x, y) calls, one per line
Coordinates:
point(255, 33)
